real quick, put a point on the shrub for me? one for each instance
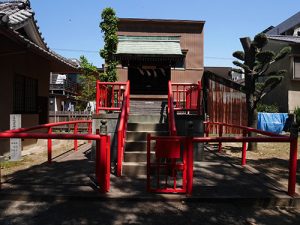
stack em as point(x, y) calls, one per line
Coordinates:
point(267, 108)
point(297, 114)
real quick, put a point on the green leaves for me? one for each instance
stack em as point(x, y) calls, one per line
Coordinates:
point(272, 82)
point(260, 40)
point(243, 66)
point(87, 80)
point(239, 55)
point(279, 73)
point(109, 26)
point(283, 52)
point(265, 57)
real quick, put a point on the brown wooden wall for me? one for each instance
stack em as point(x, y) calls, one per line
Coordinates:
point(226, 105)
point(191, 39)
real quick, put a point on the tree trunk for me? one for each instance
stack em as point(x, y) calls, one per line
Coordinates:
point(252, 112)
point(252, 122)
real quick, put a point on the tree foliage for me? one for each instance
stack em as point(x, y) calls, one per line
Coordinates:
point(109, 28)
point(87, 80)
point(255, 63)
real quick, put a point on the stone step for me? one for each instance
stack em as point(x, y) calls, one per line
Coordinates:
point(137, 118)
point(137, 156)
point(135, 146)
point(147, 127)
point(148, 106)
point(133, 169)
point(142, 135)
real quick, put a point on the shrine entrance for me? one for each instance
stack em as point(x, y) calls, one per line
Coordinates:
point(149, 80)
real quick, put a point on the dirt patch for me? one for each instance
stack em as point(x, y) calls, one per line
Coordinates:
point(37, 156)
point(271, 159)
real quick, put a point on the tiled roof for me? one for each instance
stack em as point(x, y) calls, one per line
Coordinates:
point(286, 38)
point(149, 45)
point(16, 14)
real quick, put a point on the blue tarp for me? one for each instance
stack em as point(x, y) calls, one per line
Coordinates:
point(272, 122)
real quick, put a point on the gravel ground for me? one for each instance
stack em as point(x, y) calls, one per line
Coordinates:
point(131, 212)
point(38, 156)
point(271, 158)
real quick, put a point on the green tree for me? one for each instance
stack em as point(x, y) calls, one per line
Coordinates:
point(260, 79)
point(87, 80)
point(109, 26)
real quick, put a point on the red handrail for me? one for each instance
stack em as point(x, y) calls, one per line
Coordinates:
point(49, 127)
point(187, 96)
point(102, 146)
point(110, 95)
point(171, 115)
point(123, 127)
point(272, 137)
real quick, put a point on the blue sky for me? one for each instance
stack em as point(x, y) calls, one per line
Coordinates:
point(71, 28)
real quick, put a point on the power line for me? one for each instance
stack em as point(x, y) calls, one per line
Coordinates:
point(222, 58)
point(75, 50)
point(93, 51)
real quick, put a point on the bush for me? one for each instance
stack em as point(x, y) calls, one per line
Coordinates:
point(267, 108)
point(297, 114)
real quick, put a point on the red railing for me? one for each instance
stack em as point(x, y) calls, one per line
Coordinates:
point(110, 95)
point(171, 114)
point(271, 137)
point(187, 97)
point(123, 128)
point(102, 146)
point(49, 128)
point(171, 159)
point(115, 96)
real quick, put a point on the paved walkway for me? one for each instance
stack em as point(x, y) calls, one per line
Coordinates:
point(217, 179)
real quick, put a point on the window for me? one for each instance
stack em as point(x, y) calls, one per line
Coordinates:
point(25, 95)
point(297, 68)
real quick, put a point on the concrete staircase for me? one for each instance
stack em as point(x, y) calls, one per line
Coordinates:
point(148, 105)
point(135, 155)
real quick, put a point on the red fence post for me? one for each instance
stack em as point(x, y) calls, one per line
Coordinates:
point(220, 135)
point(49, 146)
point(190, 165)
point(90, 131)
point(207, 126)
point(107, 171)
point(293, 161)
point(97, 97)
point(199, 102)
point(98, 146)
point(120, 157)
point(103, 171)
point(75, 140)
point(244, 149)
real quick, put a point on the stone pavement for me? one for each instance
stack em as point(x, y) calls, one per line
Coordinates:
point(216, 180)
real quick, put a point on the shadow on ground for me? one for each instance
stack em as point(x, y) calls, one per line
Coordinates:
point(33, 196)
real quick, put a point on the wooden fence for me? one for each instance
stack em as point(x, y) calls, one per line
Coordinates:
point(227, 105)
point(62, 116)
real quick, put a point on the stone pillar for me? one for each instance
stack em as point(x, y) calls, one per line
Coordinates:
point(191, 125)
point(110, 121)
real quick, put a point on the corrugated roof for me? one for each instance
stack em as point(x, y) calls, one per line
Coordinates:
point(139, 45)
point(286, 25)
point(286, 38)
